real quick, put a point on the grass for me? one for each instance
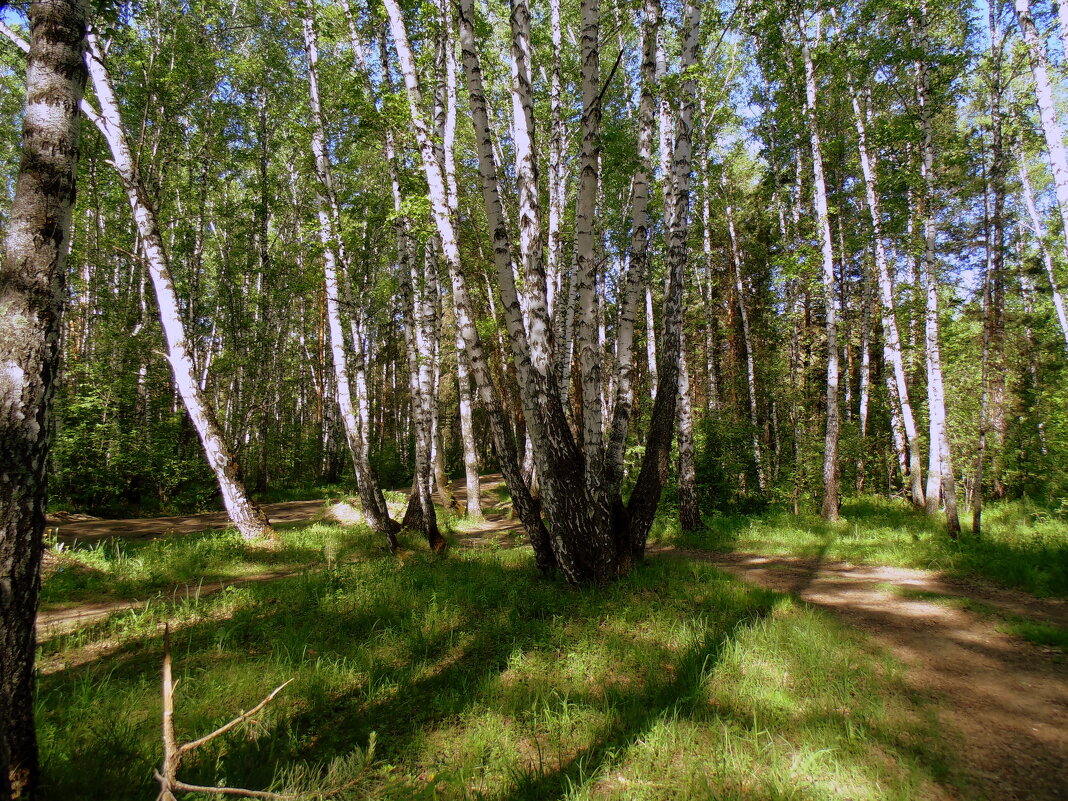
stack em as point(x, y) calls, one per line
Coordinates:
point(1021, 546)
point(480, 679)
point(130, 569)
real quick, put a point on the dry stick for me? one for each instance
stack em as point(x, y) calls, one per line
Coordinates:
point(173, 753)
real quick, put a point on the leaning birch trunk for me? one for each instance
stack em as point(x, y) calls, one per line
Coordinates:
point(374, 505)
point(1047, 111)
point(892, 337)
point(1040, 237)
point(641, 509)
point(830, 455)
point(940, 468)
point(31, 309)
point(245, 514)
point(503, 439)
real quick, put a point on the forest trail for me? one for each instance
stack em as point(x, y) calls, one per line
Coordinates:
point(1005, 699)
point(69, 531)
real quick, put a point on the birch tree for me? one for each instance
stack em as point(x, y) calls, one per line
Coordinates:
point(36, 245)
point(245, 514)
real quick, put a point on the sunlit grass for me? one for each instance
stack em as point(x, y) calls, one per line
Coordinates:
point(1020, 547)
point(484, 680)
point(134, 569)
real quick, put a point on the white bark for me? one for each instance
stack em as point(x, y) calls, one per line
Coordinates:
point(637, 258)
point(1040, 237)
point(243, 512)
point(891, 335)
point(940, 469)
point(830, 458)
point(1047, 111)
point(354, 409)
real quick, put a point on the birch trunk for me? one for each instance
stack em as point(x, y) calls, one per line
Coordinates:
point(505, 443)
point(1047, 111)
point(32, 272)
point(637, 257)
point(354, 416)
point(467, 432)
point(586, 246)
point(572, 492)
point(1040, 238)
point(244, 513)
point(940, 469)
point(830, 458)
point(557, 184)
point(891, 335)
point(689, 508)
point(643, 501)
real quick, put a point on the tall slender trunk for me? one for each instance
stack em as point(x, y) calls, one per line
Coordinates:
point(355, 420)
point(557, 184)
point(993, 388)
point(830, 456)
point(243, 511)
point(891, 336)
point(586, 247)
point(940, 468)
point(643, 500)
point(31, 307)
point(747, 340)
point(637, 257)
point(1040, 238)
point(528, 511)
point(467, 431)
point(1047, 111)
point(689, 508)
point(865, 382)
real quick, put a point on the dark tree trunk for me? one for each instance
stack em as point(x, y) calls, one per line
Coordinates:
point(31, 304)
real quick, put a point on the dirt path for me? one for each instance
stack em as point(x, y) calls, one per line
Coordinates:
point(1006, 697)
point(95, 529)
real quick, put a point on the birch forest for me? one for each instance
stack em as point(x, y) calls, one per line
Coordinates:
point(524, 381)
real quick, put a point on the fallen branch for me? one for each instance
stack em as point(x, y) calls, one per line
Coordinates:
point(173, 752)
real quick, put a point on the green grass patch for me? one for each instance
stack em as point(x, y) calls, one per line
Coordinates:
point(134, 569)
point(483, 680)
point(1021, 546)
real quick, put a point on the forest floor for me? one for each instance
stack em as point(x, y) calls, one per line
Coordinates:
point(1002, 700)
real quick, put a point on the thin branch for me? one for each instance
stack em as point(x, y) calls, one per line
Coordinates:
point(182, 787)
point(21, 43)
point(187, 747)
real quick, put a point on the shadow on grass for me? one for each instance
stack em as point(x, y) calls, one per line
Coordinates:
point(481, 679)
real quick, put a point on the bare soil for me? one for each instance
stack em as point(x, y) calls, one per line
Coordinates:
point(1007, 698)
point(1004, 699)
